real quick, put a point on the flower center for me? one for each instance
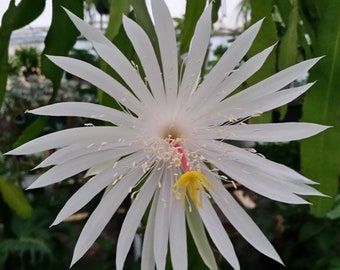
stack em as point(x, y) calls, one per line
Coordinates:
point(191, 183)
point(171, 133)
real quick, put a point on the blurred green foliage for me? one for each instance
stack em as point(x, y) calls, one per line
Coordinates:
point(321, 154)
point(26, 58)
point(306, 29)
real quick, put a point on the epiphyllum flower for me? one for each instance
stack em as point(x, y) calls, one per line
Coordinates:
point(167, 146)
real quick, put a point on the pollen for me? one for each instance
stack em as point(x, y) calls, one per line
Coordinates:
point(192, 184)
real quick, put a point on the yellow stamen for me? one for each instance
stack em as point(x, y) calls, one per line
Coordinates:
point(192, 182)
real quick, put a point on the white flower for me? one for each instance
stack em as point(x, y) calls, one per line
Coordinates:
point(167, 144)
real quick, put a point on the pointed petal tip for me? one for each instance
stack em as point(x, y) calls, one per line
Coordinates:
point(35, 184)
point(73, 262)
point(275, 256)
point(18, 151)
point(55, 222)
point(50, 57)
point(66, 11)
point(30, 187)
point(318, 193)
point(315, 59)
point(12, 152)
point(69, 13)
point(32, 111)
point(258, 24)
point(270, 48)
point(279, 260)
point(125, 18)
point(320, 128)
point(77, 255)
point(320, 57)
point(313, 129)
point(37, 167)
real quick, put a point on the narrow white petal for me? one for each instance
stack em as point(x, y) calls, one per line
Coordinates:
point(96, 184)
point(88, 110)
point(122, 145)
point(259, 104)
point(260, 97)
point(117, 60)
point(217, 233)
point(278, 132)
point(240, 219)
point(162, 222)
point(120, 63)
point(89, 32)
point(84, 195)
point(82, 148)
point(134, 216)
point(146, 54)
point(99, 168)
point(69, 136)
point(103, 213)
point(178, 238)
point(148, 257)
point(200, 238)
point(277, 170)
point(278, 80)
point(234, 80)
point(231, 58)
point(98, 78)
point(243, 73)
point(197, 52)
point(166, 36)
point(65, 170)
point(257, 180)
point(234, 107)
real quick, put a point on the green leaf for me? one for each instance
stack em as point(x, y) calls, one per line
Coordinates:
point(320, 154)
point(115, 33)
point(15, 198)
point(266, 37)
point(117, 9)
point(310, 229)
point(288, 48)
point(4, 43)
point(32, 131)
point(14, 18)
point(18, 16)
point(335, 212)
point(25, 247)
point(59, 41)
point(143, 18)
point(215, 8)
point(193, 11)
point(200, 238)
point(310, 15)
point(335, 264)
point(306, 32)
point(60, 38)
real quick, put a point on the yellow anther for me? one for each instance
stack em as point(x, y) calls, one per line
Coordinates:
point(192, 183)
